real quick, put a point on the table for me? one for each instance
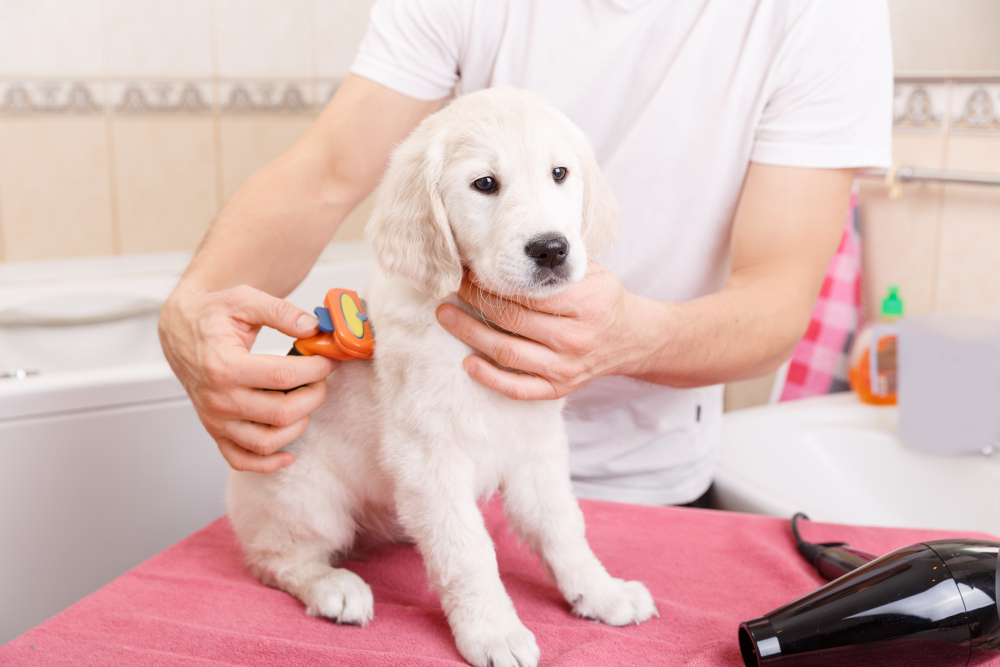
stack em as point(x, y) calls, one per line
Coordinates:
point(196, 604)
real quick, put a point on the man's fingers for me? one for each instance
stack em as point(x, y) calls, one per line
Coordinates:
point(561, 303)
point(506, 350)
point(268, 371)
point(262, 439)
point(516, 386)
point(506, 314)
point(260, 308)
point(276, 408)
point(241, 459)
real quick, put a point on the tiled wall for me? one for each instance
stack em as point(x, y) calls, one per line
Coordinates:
point(945, 36)
point(940, 243)
point(125, 124)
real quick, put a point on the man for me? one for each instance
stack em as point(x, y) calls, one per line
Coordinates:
point(729, 132)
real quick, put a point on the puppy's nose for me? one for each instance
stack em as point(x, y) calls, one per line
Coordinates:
point(548, 251)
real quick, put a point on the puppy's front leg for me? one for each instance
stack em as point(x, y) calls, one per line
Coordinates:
point(437, 507)
point(539, 501)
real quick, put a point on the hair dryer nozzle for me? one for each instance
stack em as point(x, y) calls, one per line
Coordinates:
point(931, 604)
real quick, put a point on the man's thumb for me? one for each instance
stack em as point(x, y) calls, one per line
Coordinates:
point(260, 308)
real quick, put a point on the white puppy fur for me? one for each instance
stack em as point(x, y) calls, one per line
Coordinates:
point(407, 443)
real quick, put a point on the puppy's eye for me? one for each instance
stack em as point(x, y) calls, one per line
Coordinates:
point(486, 184)
point(559, 174)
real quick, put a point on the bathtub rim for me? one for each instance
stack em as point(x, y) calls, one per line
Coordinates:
point(103, 387)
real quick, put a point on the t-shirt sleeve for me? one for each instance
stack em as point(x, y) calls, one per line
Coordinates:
point(831, 101)
point(413, 46)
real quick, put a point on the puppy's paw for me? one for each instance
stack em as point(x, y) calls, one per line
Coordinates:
point(498, 644)
point(341, 596)
point(616, 602)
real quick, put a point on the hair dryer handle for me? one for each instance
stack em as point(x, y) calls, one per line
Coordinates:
point(835, 560)
point(831, 559)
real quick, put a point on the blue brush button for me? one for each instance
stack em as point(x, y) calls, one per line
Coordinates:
point(325, 321)
point(362, 317)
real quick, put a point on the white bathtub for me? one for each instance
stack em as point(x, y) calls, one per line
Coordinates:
point(103, 461)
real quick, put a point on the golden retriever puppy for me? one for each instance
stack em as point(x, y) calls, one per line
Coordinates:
point(502, 184)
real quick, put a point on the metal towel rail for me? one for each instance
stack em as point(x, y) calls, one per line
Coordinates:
point(901, 174)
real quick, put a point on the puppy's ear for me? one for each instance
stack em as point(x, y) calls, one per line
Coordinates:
point(409, 231)
point(600, 208)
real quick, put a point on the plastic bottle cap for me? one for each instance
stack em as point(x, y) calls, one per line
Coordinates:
point(892, 306)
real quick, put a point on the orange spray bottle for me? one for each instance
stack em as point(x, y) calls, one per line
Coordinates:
point(873, 371)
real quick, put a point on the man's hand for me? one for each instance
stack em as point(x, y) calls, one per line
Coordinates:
point(268, 235)
point(207, 339)
point(564, 341)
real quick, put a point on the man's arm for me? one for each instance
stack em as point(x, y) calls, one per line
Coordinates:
point(787, 225)
point(261, 245)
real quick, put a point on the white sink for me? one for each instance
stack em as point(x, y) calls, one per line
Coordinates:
point(840, 460)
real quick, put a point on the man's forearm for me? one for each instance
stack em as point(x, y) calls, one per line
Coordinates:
point(262, 244)
point(788, 224)
point(741, 332)
point(273, 229)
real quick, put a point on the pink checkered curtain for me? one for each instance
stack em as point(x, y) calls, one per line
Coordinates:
point(819, 362)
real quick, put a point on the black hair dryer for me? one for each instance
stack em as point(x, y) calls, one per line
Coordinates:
point(932, 604)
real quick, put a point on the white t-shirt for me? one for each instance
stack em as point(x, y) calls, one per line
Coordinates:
point(677, 97)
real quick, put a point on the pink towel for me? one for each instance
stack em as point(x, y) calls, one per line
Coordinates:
point(196, 604)
point(819, 362)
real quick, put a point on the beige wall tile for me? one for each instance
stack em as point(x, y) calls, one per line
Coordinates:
point(56, 199)
point(166, 182)
point(900, 236)
point(50, 38)
point(263, 38)
point(748, 393)
point(945, 35)
point(339, 28)
point(249, 143)
point(926, 151)
point(974, 153)
point(156, 38)
point(970, 239)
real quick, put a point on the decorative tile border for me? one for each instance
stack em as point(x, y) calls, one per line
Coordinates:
point(975, 106)
point(123, 97)
point(920, 105)
point(285, 97)
point(947, 105)
point(160, 97)
point(48, 98)
point(931, 105)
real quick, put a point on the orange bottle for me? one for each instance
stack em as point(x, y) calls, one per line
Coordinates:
point(874, 380)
